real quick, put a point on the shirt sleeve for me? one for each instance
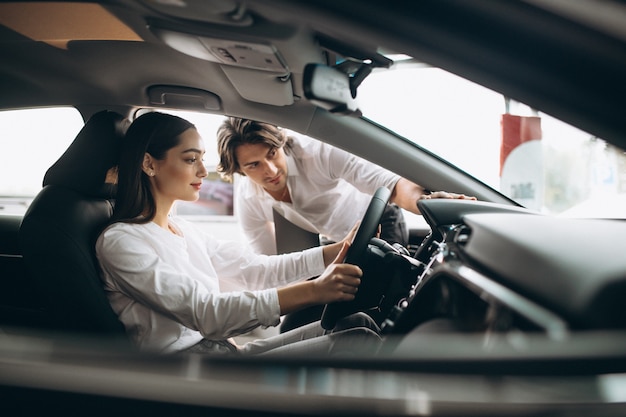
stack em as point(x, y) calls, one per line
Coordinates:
point(365, 176)
point(257, 272)
point(136, 270)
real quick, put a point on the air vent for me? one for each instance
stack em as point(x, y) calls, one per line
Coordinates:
point(462, 236)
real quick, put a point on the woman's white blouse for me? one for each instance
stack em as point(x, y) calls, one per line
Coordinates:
point(165, 288)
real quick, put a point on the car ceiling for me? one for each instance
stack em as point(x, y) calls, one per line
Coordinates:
point(565, 60)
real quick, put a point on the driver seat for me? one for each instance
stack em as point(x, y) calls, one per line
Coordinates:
point(291, 238)
point(59, 229)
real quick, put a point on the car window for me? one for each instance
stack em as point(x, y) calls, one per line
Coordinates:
point(507, 145)
point(32, 140)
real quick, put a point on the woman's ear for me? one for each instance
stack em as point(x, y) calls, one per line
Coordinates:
point(111, 176)
point(148, 165)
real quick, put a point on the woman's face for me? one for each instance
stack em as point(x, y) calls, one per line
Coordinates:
point(179, 175)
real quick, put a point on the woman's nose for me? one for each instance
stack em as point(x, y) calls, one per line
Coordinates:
point(202, 171)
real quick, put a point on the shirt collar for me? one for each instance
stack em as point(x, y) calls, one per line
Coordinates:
point(292, 167)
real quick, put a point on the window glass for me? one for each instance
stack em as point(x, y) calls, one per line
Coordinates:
point(32, 140)
point(540, 162)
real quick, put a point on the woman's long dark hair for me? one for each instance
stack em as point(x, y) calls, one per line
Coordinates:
point(154, 133)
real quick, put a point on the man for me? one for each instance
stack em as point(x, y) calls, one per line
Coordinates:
point(315, 186)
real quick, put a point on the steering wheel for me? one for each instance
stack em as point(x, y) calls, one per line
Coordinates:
point(356, 256)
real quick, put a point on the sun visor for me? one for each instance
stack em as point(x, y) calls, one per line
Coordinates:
point(256, 70)
point(235, 53)
point(261, 87)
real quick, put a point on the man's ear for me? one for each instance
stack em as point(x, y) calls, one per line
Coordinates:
point(148, 165)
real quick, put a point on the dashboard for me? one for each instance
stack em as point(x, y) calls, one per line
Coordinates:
point(489, 268)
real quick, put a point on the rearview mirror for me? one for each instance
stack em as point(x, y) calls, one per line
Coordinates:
point(329, 88)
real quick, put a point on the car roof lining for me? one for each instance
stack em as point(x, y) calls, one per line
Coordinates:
point(438, 33)
point(57, 23)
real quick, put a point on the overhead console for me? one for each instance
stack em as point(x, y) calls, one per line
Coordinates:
point(232, 52)
point(248, 65)
point(255, 59)
point(273, 64)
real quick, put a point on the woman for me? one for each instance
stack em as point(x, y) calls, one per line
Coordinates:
point(162, 276)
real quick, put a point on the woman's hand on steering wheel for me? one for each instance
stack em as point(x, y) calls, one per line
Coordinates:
point(330, 251)
point(365, 231)
point(339, 282)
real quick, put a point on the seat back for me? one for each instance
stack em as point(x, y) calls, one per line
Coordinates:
point(59, 229)
point(292, 238)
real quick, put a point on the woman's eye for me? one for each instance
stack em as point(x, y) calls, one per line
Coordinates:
point(192, 160)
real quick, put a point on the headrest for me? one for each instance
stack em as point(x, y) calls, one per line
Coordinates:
point(84, 165)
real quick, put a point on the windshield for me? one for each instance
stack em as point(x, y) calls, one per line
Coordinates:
point(536, 160)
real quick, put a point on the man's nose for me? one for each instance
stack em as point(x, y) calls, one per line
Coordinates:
point(270, 168)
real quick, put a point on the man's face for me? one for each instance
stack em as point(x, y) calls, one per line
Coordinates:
point(265, 165)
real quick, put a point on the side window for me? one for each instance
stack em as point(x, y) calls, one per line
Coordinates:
point(31, 141)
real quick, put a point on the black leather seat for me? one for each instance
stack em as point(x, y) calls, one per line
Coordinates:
point(291, 238)
point(58, 232)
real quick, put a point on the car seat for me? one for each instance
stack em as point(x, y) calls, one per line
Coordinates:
point(59, 229)
point(291, 238)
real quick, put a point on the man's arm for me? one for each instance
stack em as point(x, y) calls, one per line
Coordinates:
point(406, 194)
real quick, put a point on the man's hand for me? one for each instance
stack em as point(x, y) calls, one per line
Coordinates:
point(445, 194)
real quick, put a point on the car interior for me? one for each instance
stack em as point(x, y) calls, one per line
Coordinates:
point(525, 293)
point(267, 69)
